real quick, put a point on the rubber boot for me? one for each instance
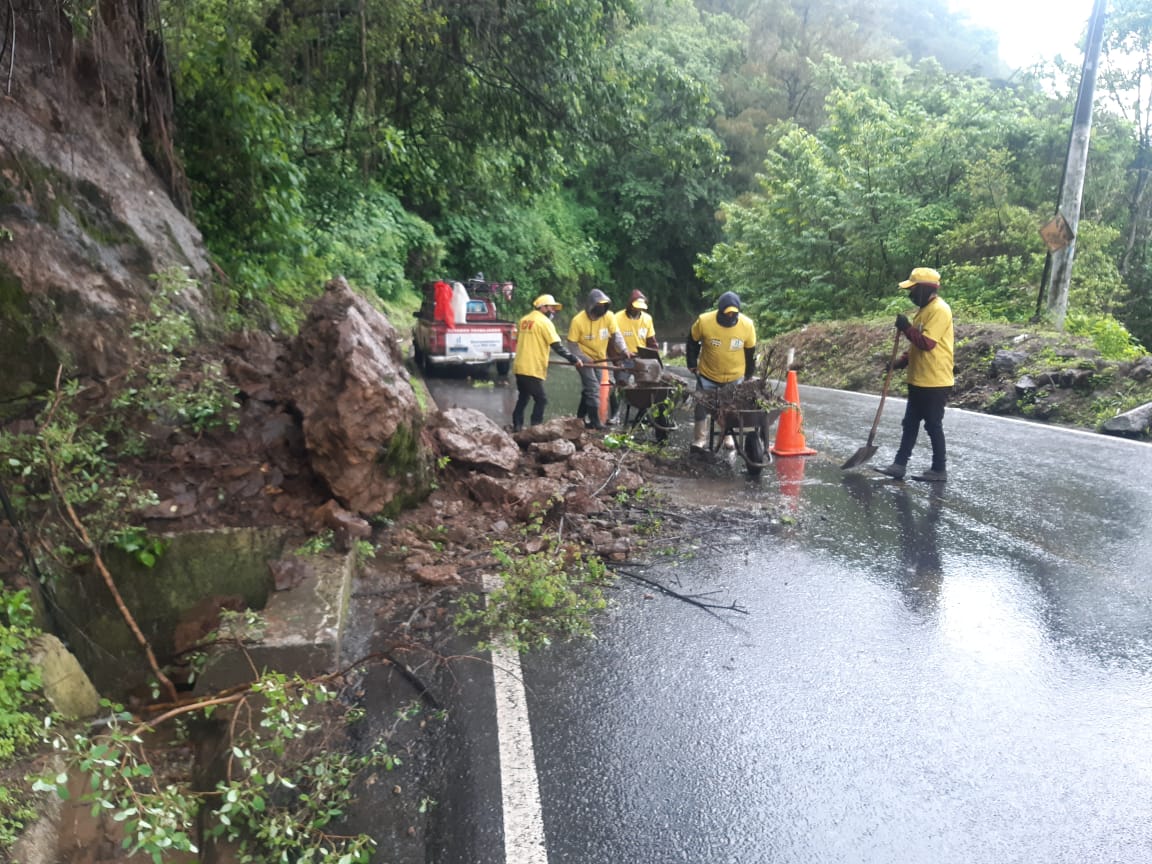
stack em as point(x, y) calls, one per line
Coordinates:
point(700, 435)
point(729, 443)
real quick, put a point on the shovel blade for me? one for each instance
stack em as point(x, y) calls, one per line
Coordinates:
point(859, 457)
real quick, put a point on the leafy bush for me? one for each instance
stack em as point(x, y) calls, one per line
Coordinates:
point(543, 595)
point(1110, 337)
point(21, 707)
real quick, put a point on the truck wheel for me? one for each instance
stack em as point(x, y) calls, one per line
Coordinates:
point(502, 366)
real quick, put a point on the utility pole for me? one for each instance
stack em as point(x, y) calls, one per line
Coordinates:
point(1060, 274)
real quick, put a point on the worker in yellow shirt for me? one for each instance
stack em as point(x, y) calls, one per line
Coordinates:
point(535, 336)
point(929, 360)
point(720, 352)
point(592, 334)
point(635, 323)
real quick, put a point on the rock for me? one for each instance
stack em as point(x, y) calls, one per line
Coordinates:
point(345, 525)
point(593, 464)
point(358, 409)
point(287, 573)
point(1025, 387)
point(436, 574)
point(470, 438)
point(569, 428)
point(1076, 379)
point(1007, 362)
point(1135, 423)
point(66, 685)
point(1141, 370)
point(553, 451)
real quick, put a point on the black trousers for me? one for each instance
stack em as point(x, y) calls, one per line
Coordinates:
point(925, 405)
point(527, 388)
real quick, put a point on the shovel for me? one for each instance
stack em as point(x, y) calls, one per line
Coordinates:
point(869, 449)
point(644, 371)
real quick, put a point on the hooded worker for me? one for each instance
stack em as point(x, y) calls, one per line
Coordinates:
point(721, 351)
point(591, 335)
point(929, 360)
point(535, 335)
point(635, 323)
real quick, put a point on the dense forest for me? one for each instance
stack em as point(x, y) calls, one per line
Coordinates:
point(801, 152)
point(805, 153)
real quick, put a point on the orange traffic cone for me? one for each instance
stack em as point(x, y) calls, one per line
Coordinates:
point(789, 438)
point(790, 474)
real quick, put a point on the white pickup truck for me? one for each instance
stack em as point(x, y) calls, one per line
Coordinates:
point(481, 339)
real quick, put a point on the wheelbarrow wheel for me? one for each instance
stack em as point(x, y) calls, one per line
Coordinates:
point(754, 452)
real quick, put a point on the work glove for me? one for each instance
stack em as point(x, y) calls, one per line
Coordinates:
point(900, 362)
point(902, 322)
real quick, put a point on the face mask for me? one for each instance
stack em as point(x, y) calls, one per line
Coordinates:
point(551, 313)
point(727, 320)
point(921, 294)
point(597, 311)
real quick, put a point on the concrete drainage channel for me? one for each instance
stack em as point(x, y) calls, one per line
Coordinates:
point(304, 630)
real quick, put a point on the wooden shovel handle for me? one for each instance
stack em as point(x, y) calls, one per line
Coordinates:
point(884, 389)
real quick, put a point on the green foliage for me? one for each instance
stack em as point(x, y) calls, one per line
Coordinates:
point(169, 385)
point(369, 238)
point(1110, 337)
point(543, 595)
point(284, 785)
point(73, 452)
point(317, 544)
point(21, 705)
point(905, 170)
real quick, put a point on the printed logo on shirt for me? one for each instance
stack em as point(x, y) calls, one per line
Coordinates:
point(735, 344)
point(642, 332)
point(715, 343)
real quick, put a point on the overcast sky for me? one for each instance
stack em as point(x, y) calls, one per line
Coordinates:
point(1030, 29)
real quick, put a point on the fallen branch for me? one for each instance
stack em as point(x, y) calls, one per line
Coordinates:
point(82, 533)
point(690, 599)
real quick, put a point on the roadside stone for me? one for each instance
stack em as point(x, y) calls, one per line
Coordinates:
point(555, 470)
point(287, 573)
point(583, 503)
point(1136, 423)
point(1025, 386)
point(569, 428)
point(342, 523)
point(553, 451)
point(1007, 362)
point(592, 464)
point(488, 490)
point(436, 574)
point(1141, 370)
point(66, 686)
point(469, 438)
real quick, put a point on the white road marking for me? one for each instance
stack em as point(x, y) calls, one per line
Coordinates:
point(523, 818)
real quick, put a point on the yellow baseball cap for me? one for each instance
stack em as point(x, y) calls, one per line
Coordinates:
point(921, 275)
point(545, 300)
point(728, 309)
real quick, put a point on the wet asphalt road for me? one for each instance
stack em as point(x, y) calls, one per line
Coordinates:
point(954, 674)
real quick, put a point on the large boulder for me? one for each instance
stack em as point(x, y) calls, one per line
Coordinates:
point(470, 439)
point(1135, 423)
point(358, 411)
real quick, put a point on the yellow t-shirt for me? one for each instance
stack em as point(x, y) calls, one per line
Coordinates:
point(635, 330)
point(535, 336)
point(933, 368)
point(593, 337)
point(722, 348)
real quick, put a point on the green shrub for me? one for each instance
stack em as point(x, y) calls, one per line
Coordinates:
point(21, 706)
point(543, 595)
point(1110, 337)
